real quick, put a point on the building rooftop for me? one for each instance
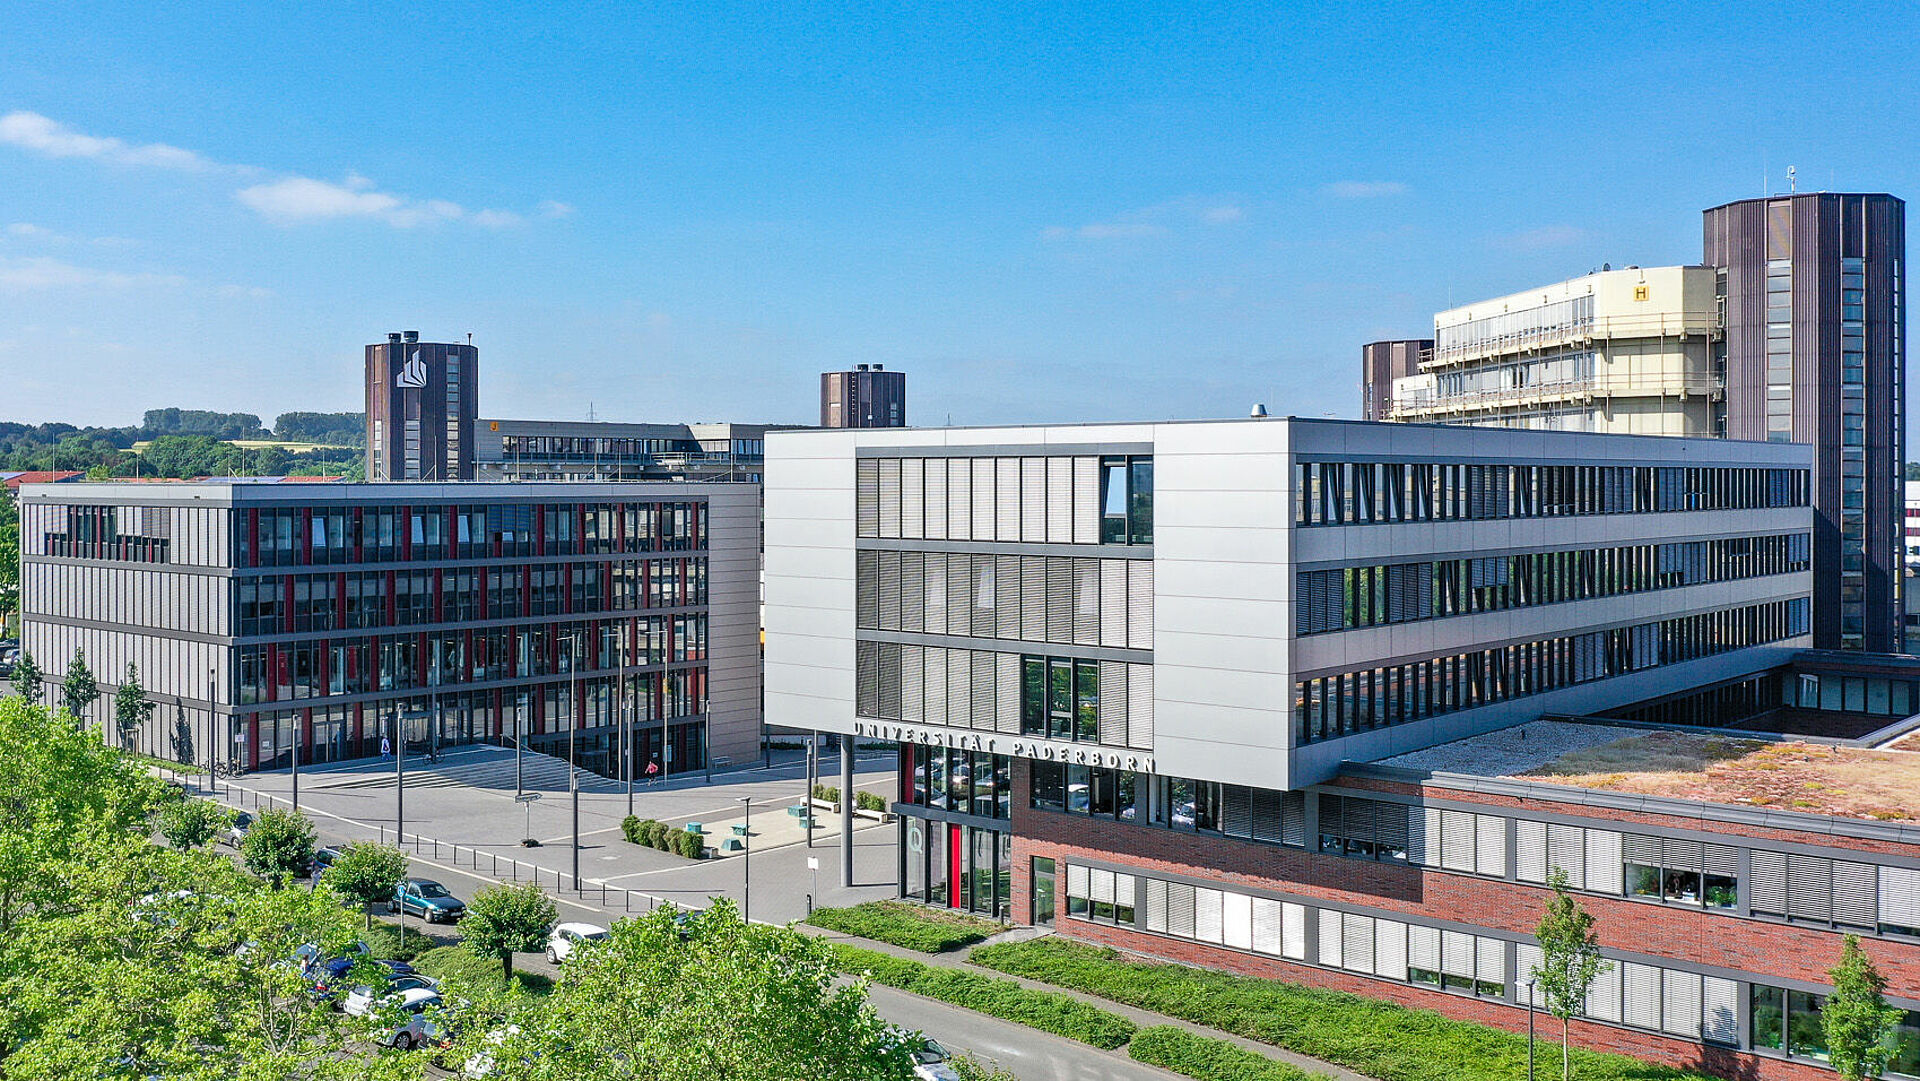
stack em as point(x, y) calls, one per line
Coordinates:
point(1787, 775)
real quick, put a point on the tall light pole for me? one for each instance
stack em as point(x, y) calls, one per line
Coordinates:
point(746, 864)
point(620, 708)
point(1530, 998)
point(395, 721)
point(573, 732)
point(296, 761)
point(210, 724)
point(519, 745)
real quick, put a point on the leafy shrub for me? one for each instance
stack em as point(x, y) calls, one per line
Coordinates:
point(1379, 1039)
point(827, 794)
point(654, 834)
point(869, 801)
point(908, 926)
point(692, 845)
point(630, 829)
point(1207, 1057)
point(462, 969)
point(1045, 1010)
point(389, 944)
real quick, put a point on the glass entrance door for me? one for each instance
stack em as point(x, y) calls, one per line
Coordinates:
point(1042, 891)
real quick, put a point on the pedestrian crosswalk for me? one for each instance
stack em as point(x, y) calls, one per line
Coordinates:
point(479, 767)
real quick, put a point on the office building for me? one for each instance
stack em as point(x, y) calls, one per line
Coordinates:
point(869, 396)
point(1381, 365)
point(318, 614)
point(421, 399)
point(1815, 352)
point(1267, 697)
point(1629, 351)
point(603, 451)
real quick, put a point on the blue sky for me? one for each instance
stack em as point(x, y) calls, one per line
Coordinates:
point(1040, 212)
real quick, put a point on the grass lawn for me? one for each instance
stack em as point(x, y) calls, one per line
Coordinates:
point(908, 926)
point(1059, 1014)
point(1379, 1039)
point(1208, 1057)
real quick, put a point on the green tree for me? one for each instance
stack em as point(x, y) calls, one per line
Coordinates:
point(367, 875)
point(278, 846)
point(79, 691)
point(1569, 961)
point(191, 823)
point(507, 919)
point(1856, 1018)
point(28, 682)
point(130, 706)
point(717, 1000)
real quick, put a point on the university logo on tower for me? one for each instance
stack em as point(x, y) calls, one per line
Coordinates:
point(414, 372)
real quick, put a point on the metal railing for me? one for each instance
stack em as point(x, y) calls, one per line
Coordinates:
point(1662, 325)
point(1414, 406)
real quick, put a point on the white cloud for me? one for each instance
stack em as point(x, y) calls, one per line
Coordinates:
point(1545, 236)
point(39, 272)
point(1222, 215)
point(49, 137)
point(1364, 189)
point(288, 200)
point(30, 231)
point(301, 198)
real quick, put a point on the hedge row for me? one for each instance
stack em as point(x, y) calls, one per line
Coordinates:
point(1048, 1011)
point(1208, 1057)
point(458, 966)
point(657, 834)
point(1379, 1039)
point(908, 926)
point(865, 801)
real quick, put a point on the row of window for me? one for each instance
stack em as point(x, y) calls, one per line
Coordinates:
point(1345, 598)
point(587, 448)
point(1055, 499)
point(316, 669)
point(362, 600)
point(965, 782)
point(1652, 998)
point(1329, 707)
point(1108, 702)
point(304, 536)
point(1085, 601)
point(1352, 493)
point(1818, 890)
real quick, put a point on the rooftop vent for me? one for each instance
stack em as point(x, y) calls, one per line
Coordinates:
point(1259, 411)
point(412, 336)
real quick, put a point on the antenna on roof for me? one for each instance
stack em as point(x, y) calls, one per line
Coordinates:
point(1792, 184)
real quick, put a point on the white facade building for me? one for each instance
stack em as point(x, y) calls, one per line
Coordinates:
point(1274, 596)
point(1625, 351)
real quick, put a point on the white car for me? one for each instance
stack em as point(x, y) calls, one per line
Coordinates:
point(567, 937)
point(418, 1027)
point(930, 1060)
point(481, 1062)
point(360, 1001)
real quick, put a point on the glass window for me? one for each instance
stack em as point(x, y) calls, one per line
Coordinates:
point(1078, 790)
point(1805, 1034)
point(1086, 700)
point(1049, 786)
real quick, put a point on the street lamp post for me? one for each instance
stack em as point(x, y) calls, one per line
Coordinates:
point(211, 743)
point(746, 864)
point(573, 732)
point(394, 722)
point(519, 745)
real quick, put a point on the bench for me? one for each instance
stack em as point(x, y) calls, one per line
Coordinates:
point(798, 810)
point(739, 830)
point(695, 827)
point(732, 844)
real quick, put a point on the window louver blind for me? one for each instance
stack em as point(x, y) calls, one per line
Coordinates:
point(1007, 684)
point(1603, 998)
point(1006, 596)
point(1293, 930)
point(959, 694)
point(867, 578)
point(1236, 921)
point(1077, 880)
point(1456, 841)
point(1356, 951)
point(1900, 897)
point(1180, 909)
point(1293, 819)
point(1086, 602)
point(960, 499)
point(1423, 948)
point(867, 679)
point(985, 595)
point(1390, 823)
point(1266, 926)
point(1033, 500)
point(1566, 849)
point(1059, 500)
point(1157, 905)
point(1140, 603)
point(1457, 953)
point(1332, 939)
point(913, 591)
point(889, 591)
point(1033, 599)
point(1603, 870)
point(936, 687)
point(889, 497)
point(1490, 960)
point(959, 594)
point(1809, 887)
point(1490, 845)
point(1641, 995)
point(889, 662)
point(913, 498)
point(1680, 1011)
point(1140, 706)
point(867, 496)
point(1719, 1010)
point(1206, 914)
point(1530, 850)
point(1526, 958)
point(1390, 949)
point(1002, 506)
point(987, 475)
point(1059, 599)
point(1856, 889)
point(936, 498)
point(1113, 602)
point(1113, 703)
point(913, 683)
point(1100, 885)
point(1086, 500)
point(983, 685)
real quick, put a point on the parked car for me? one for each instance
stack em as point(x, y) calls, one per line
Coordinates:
point(363, 999)
point(420, 1025)
point(429, 900)
point(237, 831)
point(322, 859)
point(567, 937)
point(482, 1062)
point(9, 657)
point(931, 1062)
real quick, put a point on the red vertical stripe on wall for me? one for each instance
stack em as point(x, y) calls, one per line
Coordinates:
point(953, 866)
